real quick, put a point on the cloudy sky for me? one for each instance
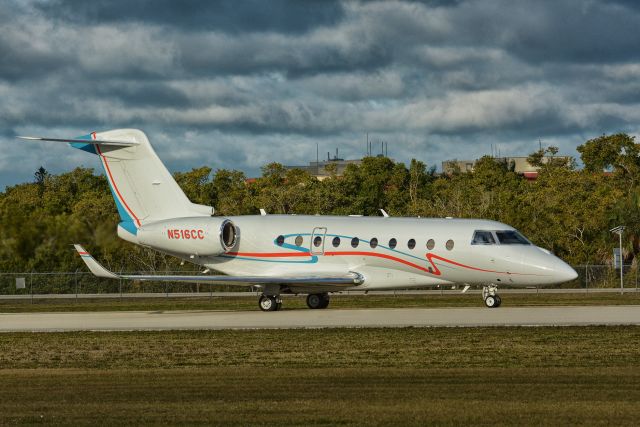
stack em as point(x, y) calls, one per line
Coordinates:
point(238, 84)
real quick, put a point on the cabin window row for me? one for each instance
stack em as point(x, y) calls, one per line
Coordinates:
point(373, 243)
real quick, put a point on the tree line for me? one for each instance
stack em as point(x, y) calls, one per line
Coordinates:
point(567, 210)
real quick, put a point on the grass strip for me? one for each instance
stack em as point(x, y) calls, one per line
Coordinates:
point(411, 376)
point(298, 302)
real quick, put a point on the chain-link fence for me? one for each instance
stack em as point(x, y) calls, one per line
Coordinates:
point(82, 282)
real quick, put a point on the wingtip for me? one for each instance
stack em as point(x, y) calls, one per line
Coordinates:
point(94, 266)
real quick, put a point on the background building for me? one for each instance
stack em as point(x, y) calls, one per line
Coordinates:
point(319, 168)
point(519, 165)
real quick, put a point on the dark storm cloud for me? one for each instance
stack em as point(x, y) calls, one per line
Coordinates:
point(231, 16)
point(237, 84)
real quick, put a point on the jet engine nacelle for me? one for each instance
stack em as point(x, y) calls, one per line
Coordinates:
point(202, 236)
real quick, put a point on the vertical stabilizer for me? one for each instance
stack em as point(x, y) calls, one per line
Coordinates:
point(142, 187)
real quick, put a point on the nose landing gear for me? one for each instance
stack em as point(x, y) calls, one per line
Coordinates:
point(490, 296)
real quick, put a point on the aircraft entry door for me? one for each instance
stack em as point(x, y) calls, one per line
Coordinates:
point(317, 240)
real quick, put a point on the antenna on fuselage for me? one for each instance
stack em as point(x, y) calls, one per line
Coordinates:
point(384, 213)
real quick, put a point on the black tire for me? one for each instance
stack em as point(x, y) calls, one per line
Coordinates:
point(498, 301)
point(325, 301)
point(315, 301)
point(268, 303)
point(491, 301)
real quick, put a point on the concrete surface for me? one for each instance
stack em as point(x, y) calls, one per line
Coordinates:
point(329, 318)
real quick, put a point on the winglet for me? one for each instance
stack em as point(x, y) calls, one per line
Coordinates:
point(95, 267)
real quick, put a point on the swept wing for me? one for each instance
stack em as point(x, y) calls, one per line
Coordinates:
point(98, 270)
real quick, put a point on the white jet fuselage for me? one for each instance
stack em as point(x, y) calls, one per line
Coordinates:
point(426, 252)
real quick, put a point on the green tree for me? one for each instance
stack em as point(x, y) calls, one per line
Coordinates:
point(619, 152)
point(197, 185)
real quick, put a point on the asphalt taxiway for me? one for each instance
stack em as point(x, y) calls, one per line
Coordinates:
point(290, 319)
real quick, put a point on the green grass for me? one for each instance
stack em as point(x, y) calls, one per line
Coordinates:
point(444, 376)
point(298, 302)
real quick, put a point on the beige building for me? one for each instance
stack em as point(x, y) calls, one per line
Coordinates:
point(520, 165)
point(319, 169)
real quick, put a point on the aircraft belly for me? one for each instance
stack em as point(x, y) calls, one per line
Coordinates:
point(247, 266)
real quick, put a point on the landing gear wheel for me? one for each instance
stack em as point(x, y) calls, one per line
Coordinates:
point(490, 296)
point(491, 301)
point(269, 303)
point(315, 301)
point(325, 300)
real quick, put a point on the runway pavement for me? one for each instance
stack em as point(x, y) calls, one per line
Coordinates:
point(330, 318)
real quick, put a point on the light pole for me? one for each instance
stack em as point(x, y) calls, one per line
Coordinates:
point(619, 230)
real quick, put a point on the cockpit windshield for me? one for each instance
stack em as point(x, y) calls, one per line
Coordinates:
point(511, 237)
point(483, 238)
point(503, 237)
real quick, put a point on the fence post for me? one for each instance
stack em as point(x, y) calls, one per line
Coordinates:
point(75, 276)
point(586, 275)
point(31, 286)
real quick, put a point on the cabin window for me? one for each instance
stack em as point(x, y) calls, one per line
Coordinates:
point(393, 243)
point(317, 241)
point(481, 237)
point(431, 244)
point(373, 243)
point(299, 240)
point(411, 243)
point(336, 242)
point(280, 240)
point(449, 244)
point(355, 242)
point(511, 237)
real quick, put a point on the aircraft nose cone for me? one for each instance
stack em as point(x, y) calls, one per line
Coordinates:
point(551, 267)
point(564, 272)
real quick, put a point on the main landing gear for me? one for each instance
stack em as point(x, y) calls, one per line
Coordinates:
point(490, 296)
point(270, 302)
point(274, 302)
point(318, 300)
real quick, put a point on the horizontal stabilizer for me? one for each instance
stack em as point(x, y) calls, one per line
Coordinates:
point(83, 141)
point(100, 271)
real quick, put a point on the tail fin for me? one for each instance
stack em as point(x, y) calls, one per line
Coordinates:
point(142, 187)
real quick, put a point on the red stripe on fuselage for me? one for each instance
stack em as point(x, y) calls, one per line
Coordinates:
point(379, 255)
point(113, 182)
point(430, 257)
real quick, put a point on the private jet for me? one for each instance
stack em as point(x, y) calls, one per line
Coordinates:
point(314, 255)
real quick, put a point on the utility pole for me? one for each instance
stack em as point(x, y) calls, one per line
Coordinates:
point(619, 230)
